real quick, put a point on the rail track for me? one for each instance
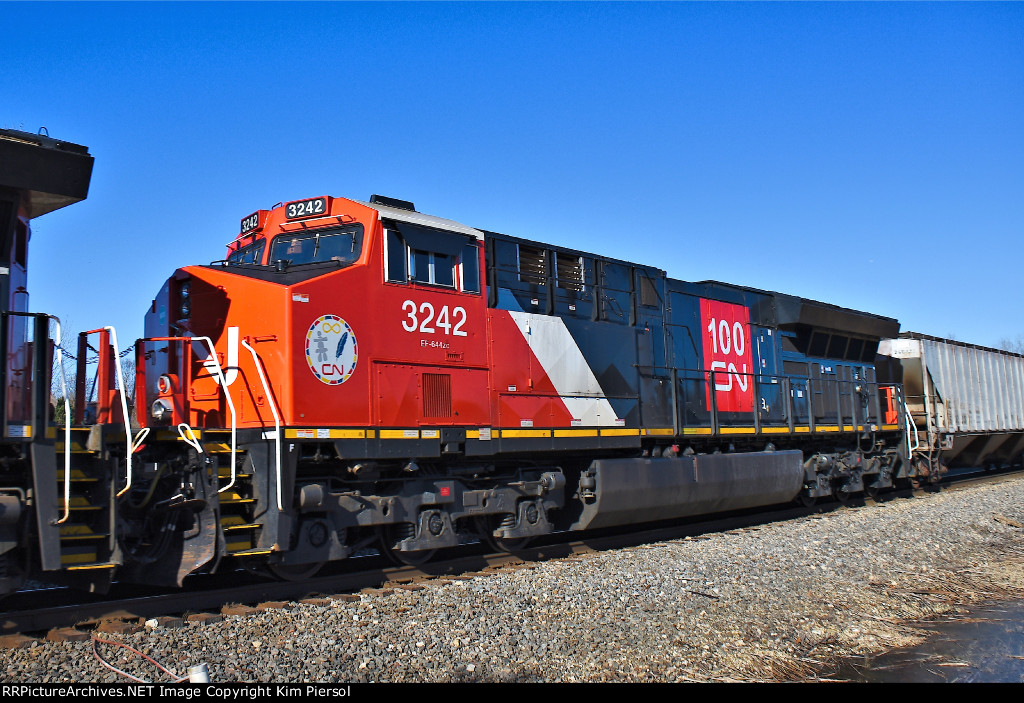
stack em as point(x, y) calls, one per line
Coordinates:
point(42, 611)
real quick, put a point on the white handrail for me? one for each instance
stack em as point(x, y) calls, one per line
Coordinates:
point(67, 427)
point(124, 413)
point(277, 421)
point(911, 423)
point(231, 406)
point(189, 435)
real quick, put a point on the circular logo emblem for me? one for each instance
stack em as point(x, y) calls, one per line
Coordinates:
point(331, 350)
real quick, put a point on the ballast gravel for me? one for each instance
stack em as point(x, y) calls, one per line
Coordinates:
point(775, 602)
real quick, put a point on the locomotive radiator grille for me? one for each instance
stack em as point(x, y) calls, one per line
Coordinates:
point(437, 395)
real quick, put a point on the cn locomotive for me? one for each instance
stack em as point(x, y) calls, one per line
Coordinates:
point(361, 374)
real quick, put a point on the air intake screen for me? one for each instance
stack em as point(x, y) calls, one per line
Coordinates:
point(437, 395)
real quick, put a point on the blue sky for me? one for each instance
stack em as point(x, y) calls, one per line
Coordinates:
point(867, 154)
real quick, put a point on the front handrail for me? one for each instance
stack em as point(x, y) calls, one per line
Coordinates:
point(124, 412)
point(67, 424)
point(129, 448)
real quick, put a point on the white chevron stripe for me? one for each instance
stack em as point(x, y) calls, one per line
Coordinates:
point(563, 362)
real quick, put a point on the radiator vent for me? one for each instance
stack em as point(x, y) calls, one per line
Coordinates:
point(437, 395)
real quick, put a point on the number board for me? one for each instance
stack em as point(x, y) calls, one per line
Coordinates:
point(306, 208)
point(725, 332)
point(253, 222)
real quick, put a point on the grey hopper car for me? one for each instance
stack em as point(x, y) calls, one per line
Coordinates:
point(966, 401)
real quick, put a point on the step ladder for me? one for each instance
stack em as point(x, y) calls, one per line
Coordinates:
point(239, 525)
point(86, 526)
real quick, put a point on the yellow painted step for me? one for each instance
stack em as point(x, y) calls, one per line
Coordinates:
point(76, 448)
point(225, 472)
point(233, 523)
point(77, 556)
point(234, 498)
point(76, 475)
point(78, 532)
point(94, 565)
point(82, 503)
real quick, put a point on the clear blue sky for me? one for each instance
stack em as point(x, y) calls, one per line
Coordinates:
point(869, 155)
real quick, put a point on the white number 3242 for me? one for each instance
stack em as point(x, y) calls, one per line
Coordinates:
point(451, 325)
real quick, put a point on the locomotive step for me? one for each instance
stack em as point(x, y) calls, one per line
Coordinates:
point(76, 448)
point(77, 475)
point(78, 555)
point(219, 448)
point(249, 552)
point(93, 565)
point(225, 472)
point(79, 532)
point(233, 498)
point(235, 523)
point(82, 503)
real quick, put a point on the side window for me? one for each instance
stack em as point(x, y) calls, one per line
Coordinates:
point(21, 245)
point(396, 263)
point(432, 267)
point(469, 264)
point(430, 257)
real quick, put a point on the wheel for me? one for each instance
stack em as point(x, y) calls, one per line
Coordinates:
point(872, 490)
point(806, 499)
point(391, 535)
point(508, 545)
point(841, 491)
point(295, 572)
point(486, 527)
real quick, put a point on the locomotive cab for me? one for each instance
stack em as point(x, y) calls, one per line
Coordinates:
point(39, 175)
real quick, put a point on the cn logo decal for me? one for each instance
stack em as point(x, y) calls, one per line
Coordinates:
point(725, 332)
point(331, 350)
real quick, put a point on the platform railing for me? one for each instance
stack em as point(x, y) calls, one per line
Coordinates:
point(825, 402)
point(108, 363)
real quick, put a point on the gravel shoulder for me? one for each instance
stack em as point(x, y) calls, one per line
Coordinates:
point(764, 604)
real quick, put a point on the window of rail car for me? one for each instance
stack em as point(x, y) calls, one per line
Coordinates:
point(433, 268)
point(343, 244)
point(431, 258)
point(251, 254)
point(469, 268)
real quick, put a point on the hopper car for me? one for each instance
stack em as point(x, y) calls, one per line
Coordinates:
point(965, 402)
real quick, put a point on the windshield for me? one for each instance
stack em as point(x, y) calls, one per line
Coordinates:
point(337, 244)
point(252, 254)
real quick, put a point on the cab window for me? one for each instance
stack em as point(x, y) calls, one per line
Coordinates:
point(441, 259)
point(335, 244)
point(252, 254)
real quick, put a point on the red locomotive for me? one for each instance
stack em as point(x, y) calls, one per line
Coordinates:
point(360, 374)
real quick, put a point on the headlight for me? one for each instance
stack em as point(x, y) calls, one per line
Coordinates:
point(186, 307)
point(164, 384)
point(186, 290)
point(161, 410)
